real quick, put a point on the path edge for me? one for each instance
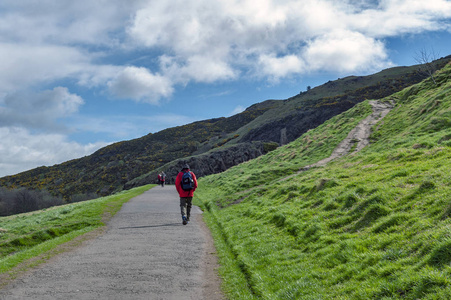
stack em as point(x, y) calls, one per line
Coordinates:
point(212, 282)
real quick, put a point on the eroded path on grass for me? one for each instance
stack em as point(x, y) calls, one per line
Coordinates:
point(359, 137)
point(145, 253)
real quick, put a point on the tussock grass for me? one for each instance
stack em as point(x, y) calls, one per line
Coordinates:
point(28, 235)
point(373, 225)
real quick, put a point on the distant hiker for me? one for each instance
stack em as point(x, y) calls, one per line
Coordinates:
point(186, 184)
point(161, 179)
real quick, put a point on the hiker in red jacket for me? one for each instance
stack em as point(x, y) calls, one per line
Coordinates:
point(186, 184)
point(162, 178)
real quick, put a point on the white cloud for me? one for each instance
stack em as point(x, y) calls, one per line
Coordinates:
point(196, 68)
point(275, 39)
point(237, 110)
point(97, 75)
point(178, 24)
point(38, 110)
point(345, 51)
point(29, 126)
point(64, 22)
point(202, 40)
point(20, 150)
point(395, 17)
point(27, 65)
point(48, 41)
point(140, 85)
point(280, 67)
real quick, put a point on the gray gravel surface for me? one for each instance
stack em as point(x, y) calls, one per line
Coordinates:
point(145, 253)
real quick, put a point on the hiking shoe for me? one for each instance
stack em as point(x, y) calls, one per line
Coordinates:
point(185, 221)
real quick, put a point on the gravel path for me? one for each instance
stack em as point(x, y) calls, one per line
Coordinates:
point(145, 253)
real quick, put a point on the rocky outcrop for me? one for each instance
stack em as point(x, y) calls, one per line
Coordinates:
point(212, 162)
point(288, 128)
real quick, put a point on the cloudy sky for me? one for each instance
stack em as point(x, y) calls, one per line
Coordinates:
point(78, 75)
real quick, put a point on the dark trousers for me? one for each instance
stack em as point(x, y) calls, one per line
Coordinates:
point(185, 206)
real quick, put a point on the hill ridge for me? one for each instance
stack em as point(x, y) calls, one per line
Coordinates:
point(261, 128)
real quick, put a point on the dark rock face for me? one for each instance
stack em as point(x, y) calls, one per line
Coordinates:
point(205, 164)
point(295, 124)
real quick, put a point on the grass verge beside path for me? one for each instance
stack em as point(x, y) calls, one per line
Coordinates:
point(371, 225)
point(253, 180)
point(29, 235)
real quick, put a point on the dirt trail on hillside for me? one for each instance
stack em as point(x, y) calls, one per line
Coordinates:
point(144, 253)
point(360, 135)
point(358, 138)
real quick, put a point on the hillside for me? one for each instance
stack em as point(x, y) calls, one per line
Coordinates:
point(289, 119)
point(109, 168)
point(211, 145)
point(373, 224)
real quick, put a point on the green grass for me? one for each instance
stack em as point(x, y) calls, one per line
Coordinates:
point(375, 225)
point(28, 235)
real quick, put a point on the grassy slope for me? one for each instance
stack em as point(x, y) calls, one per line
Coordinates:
point(28, 235)
point(375, 225)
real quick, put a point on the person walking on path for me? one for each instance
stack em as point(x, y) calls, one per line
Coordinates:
point(139, 255)
point(161, 179)
point(186, 184)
